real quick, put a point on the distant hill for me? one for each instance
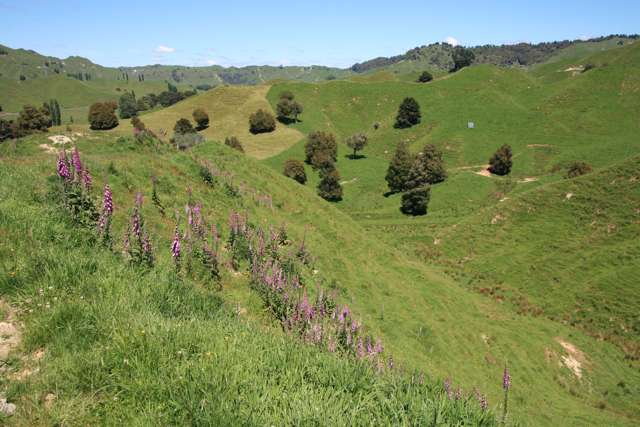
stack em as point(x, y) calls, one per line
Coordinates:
point(438, 55)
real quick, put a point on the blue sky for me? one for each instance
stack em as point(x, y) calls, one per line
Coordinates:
point(335, 33)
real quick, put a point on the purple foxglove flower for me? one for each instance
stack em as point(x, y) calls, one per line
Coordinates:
point(175, 245)
point(86, 179)
point(63, 167)
point(506, 379)
point(378, 347)
point(107, 200)
point(447, 387)
point(75, 160)
point(458, 394)
point(138, 199)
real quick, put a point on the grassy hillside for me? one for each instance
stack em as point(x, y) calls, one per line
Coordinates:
point(229, 109)
point(426, 320)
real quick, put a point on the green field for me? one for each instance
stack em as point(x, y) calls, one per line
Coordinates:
point(533, 270)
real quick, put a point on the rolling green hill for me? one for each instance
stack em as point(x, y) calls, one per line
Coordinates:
point(426, 320)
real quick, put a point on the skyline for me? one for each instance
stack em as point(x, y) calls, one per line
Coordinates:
point(338, 35)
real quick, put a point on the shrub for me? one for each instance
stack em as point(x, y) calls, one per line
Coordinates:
point(187, 140)
point(408, 114)
point(500, 163)
point(399, 168)
point(357, 142)
point(127, 106)
point(168, 98)
point(578, 168)
point(7, 129)
point(183, 127)
point(102, 115)
point(318, 142)
point(261, 122)
point(294, 169)
point(425, 77)
point(137, 124)
point(234, 143)
point(427, 168)
point(415, 201)
point(32, 119)
point(329, 187)
point(201, 118)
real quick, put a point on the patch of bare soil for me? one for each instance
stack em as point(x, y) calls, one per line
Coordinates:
point(10, 338)
point(574, 359)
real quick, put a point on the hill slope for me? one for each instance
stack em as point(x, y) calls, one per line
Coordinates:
point(426, 320)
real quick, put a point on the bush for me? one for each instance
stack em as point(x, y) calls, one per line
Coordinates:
point(294, 169)
point(261, 122)
point(415, 202)
point(357, 142)
point(127, 106)
point(425, 77)
point(578, 168)
point(288, 109)
point(32, 119)
point(234, 143)
point(427, 168)
point(168, 98)
point(102, 115)
point(320, 142)
point(329, 187)
point(399, 169)
point(408, 114)
point(183, 127)
point(187, 140)
point(137, 124)
point(7, 129)
point(201, 118)
point(500, 163)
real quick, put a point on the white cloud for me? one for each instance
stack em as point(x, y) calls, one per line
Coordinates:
point(211, 62)
point(164, 49)
point(452, 41)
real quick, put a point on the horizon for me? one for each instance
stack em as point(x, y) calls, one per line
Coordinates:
point(227, 42)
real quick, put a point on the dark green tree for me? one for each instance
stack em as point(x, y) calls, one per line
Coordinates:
point(234, 143)
point(171, 88)
point(427, 168)
point(183, 127)
point(261, 122)
point(127, 106)
point(201, 118)
point(399, 168)
point(415, 201)
point(462, 57)
point(408, 114)
point(357, 142)
point(425, 77)
point(294, 169)
point(102, 115)
point(329, 187)
point(501, 161)
point(320, 141)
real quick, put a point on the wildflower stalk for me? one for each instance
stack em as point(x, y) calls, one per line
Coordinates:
point(506, 385)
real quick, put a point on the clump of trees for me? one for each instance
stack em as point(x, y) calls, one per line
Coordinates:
point(578, 168)
point(30, 120)
point(320, 147)
point(294, 169)
point(425, 77)
point(54, 111)
point(408, 114)
point(462, 57)
point(201, 118)
point(413, 175)
point(416, 201)
point(357, 142)
point(261, 122)
point(288, 108)
point(501, 161)
point(102, 115)
point(127, 105)
point(233, 142)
